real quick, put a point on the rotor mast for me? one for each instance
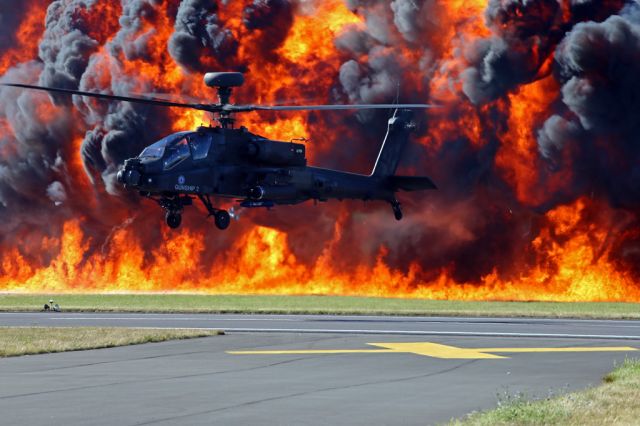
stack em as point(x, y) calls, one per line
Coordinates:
point(224, 82)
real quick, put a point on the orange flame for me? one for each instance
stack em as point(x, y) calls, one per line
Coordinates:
point(26, 37)
point(312, 35)
point(571, 268)
point(518, 152)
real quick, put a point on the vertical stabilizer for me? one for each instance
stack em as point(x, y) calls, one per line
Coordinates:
point(400, 126)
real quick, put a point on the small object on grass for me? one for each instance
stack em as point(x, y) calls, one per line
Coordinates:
point(51, 306)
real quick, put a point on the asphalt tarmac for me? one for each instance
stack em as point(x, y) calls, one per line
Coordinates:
point(307, 370)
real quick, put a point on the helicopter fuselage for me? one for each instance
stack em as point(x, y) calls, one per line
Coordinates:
point(258, 172)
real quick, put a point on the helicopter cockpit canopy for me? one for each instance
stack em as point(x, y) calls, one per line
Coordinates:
point(177, 147)
point(156, 150)
point(177, 151)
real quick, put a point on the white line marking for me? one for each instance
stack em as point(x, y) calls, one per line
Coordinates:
point(395, 332)
point(151, 318)
point(434, 333)
point(405, 332)
point(168, 316)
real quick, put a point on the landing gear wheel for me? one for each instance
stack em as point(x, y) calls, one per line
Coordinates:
point(397, 210)
point(173, 220)
point(222, 219)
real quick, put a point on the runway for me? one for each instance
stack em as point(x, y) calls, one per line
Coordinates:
point(307, 369)
point(355, 324)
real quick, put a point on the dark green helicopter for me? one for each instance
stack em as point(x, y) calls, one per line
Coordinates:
point(234, 163)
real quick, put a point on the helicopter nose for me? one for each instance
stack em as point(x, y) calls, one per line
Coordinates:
point(129, 176)
point(131, 173)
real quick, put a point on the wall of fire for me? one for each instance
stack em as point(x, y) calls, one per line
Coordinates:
point(536, 149)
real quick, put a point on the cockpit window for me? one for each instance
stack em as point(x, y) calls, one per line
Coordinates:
point(200, 146)
point(153, 152)
point(176, 153)
point(156, 150)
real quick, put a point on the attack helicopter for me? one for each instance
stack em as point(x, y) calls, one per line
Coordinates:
point(229, 162)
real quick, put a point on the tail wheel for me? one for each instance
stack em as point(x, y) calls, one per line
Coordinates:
point(397, 210)
point(173, 220)
point(222, 219)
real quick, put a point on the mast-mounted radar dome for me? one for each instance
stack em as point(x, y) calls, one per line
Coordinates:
point(224, 79)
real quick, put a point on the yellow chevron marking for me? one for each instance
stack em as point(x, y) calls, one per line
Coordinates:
point(434, 350)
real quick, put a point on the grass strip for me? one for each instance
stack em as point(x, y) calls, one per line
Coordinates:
point(315, 305)
point(15, 341)
point(615, 402)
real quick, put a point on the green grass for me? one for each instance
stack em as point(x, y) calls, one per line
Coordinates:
point(615, 402)
point(315, 305)
point(15, 341)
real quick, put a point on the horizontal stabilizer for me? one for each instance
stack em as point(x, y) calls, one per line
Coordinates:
point(411, 183)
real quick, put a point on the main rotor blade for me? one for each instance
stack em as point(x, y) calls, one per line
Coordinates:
point(180, 98)
point(244, 108)
point(103, 96)
point(216, 107)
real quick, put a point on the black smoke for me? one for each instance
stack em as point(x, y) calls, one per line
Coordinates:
point(524, 35)
point(34, 179)
point(524, 32)
point(598, 65)
point(200, 36)
point(273, 18)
